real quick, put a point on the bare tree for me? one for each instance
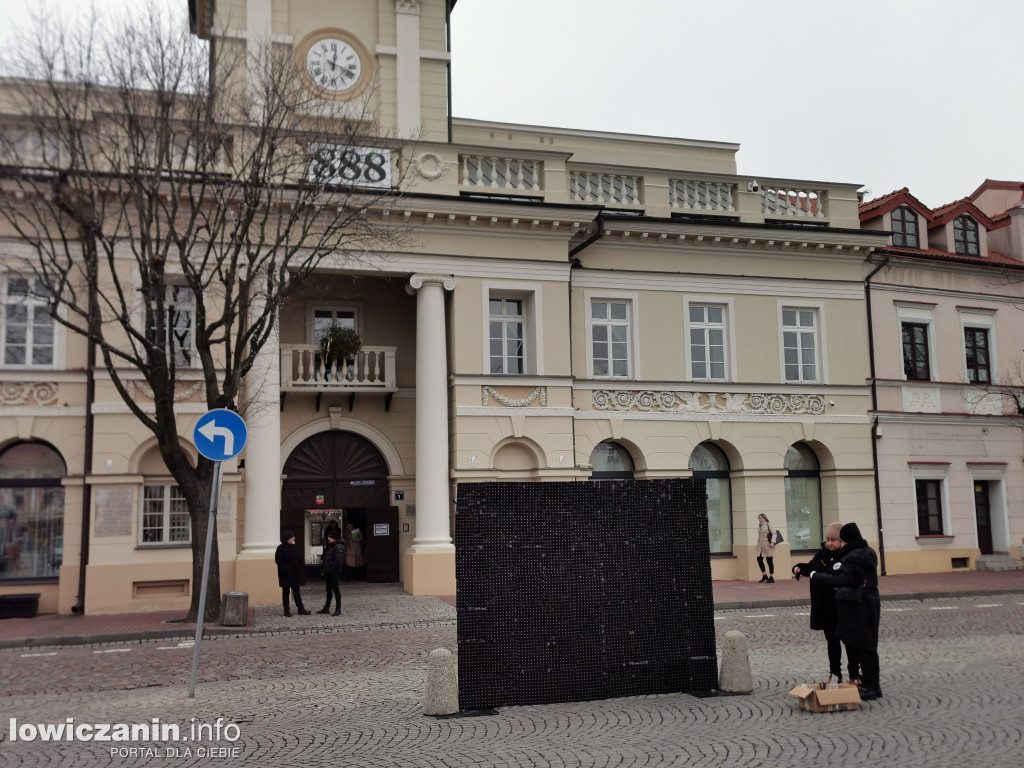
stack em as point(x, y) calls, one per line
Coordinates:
point(166, 213)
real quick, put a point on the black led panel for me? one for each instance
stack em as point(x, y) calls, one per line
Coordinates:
point(582, 591)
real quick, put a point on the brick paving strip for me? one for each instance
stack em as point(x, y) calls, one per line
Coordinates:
point(387, 605)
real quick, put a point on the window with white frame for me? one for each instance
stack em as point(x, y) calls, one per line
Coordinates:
point(977, 358)
point(609, 330)
point(165, 518)
point(800, 344)
point(326, 317)
point(179, 312)
point(28, 330)
point(506, 333)
point(708, 342)
point(929, 506)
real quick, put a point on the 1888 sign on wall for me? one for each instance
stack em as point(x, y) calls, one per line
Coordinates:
point(349, 165)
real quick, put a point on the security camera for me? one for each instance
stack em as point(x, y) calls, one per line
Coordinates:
point(753, 186)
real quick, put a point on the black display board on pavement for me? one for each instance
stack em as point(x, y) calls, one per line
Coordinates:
point(575, 591)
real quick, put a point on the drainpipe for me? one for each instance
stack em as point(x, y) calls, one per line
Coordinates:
point(448, 33)
point(874, 409)
point(574, 263)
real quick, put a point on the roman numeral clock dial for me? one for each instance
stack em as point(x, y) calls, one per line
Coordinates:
point(334, 65)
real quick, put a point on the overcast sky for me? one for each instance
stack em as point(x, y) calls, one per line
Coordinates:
point(925, 94)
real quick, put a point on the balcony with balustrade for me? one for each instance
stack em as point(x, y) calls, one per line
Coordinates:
point(371, 370)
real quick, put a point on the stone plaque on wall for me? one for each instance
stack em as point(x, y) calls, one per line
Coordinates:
point(112, 513)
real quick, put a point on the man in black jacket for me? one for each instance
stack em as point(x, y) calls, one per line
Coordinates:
point(334, 559)
point(858, 606)
point(823, 599)
point(289, 572)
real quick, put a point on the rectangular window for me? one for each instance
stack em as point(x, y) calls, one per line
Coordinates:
point(707, 342)
point(916, 363)
point(165, 518)
point(179, 325)
point(929, 507)
point(609, 328)
point(28, 329)
point(977, 354)
point(507, 345)
point(799, 341)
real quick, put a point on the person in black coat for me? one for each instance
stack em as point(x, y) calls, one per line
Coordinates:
point(858, 606)
point(334, 559)
point(823, 599)
point(289, 572)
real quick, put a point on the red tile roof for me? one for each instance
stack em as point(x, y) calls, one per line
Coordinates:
point(882, 205)
point(992, 259)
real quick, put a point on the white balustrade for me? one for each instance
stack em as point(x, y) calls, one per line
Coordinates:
point(500, 173)
point(802, 203)
point(303, 368)
point(700, 195)
point(608, 188)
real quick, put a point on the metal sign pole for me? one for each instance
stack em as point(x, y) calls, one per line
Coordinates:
point(211, 531)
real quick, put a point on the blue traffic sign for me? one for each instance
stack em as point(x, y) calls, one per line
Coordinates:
point(220, 434)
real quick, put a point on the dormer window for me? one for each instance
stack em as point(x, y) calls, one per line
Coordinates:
point(904, 227)
point(965, 235)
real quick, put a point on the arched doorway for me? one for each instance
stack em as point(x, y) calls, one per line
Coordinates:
point(341, 475)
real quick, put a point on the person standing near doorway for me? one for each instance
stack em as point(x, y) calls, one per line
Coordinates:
point(334, 559)
point(765, 548)
point(289, 573)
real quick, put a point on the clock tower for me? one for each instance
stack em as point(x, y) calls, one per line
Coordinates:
point(386, 59)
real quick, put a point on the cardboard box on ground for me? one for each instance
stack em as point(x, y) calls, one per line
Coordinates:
point(816, 697)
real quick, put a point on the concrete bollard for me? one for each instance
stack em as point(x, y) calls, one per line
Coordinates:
point(234, 609)
point(442, 696)
point(734, 676)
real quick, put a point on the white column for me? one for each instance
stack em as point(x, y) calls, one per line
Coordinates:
point(263, 451)
point(407, 31)
point(432, 530)
point(257, 41)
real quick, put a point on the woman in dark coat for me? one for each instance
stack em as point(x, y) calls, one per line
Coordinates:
point(289, 572)
point(823, 599)
point(858, 606)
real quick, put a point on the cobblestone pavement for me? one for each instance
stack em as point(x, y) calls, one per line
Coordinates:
point(348, 693)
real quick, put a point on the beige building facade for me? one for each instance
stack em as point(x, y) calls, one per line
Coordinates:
point(577, 306)
point(945, 310)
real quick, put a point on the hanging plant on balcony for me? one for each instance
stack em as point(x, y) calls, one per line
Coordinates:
point(338, 344)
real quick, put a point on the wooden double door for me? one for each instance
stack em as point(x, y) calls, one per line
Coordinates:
point(342, 476)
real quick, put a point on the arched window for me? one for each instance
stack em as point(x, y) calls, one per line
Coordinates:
point(707, 461)
point(31, 512)
point(610, 461)
point(904, 227)
point(965, 235)
point(803, 497)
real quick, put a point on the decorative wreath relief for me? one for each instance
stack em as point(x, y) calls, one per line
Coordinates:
point(440, 168)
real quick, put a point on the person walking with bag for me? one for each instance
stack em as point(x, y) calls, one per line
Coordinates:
point(765, 548)
point(858, 606)
point(823, 599)
point(334, 559)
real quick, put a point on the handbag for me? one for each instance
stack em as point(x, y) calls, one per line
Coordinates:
point(778, 536)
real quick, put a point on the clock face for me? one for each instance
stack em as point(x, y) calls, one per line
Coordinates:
point(333, 64)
